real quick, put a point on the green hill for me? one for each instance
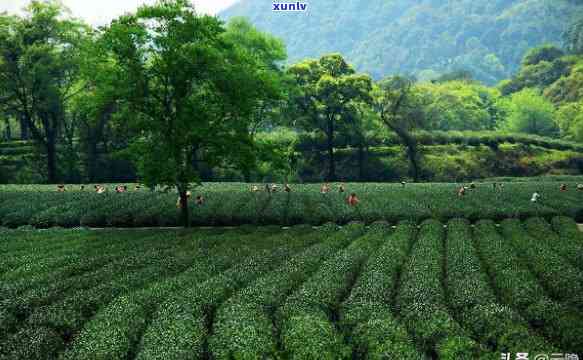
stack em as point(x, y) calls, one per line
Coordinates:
point(421, 37)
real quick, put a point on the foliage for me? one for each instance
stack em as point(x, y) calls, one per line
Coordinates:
point(529, 112)
point(384, 38)
point(422, 302)
point(327, 98)
point(398, 106)
point(460, 105)
point(366, 314)
point(235, 204)
point(573, 36)
point(569, 118)
point(474, 302)
point(39, 67)
point(548, 53)
point(188, 89)
point(174, 294)
point(518, 287)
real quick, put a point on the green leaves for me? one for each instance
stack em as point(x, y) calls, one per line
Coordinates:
point(190, 87)
point(529, 112)
point(327, 98)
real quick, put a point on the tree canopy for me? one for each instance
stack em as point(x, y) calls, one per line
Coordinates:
point(384, 38)
point(190, 89)
point(327, 97)
point(39, 71)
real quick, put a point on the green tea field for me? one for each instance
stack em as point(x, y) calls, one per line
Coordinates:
point(461, 291)
point(234, 204)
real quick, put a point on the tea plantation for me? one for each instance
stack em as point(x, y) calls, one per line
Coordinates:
point(464, 291)
point(235, 204)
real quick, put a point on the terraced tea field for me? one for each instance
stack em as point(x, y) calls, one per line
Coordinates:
point(234, 204)
point(465, 291)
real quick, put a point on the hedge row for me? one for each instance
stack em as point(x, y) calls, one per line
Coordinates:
point(310, 141)
point(518, 287)
point(306, 320)
point(180, 327)
point(116, 329)
point(474, 303)
point(237, 205)
point(422, 301)
point(563, 281)
point(51, 306)
point(367, 314)
point(567, 246)
point(243, 326)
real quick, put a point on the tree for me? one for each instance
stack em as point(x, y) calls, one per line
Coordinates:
point(541, 67)
point(398, 105)
point(327, 95)
point(569, 118)
point(573, 36)
point(460, 105)
point(548, 53)
point(529, 112)
point(269, 52)
point(39, 71)
point(188, 90)
point(456, 75)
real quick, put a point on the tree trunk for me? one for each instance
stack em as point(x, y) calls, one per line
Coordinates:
point(247, 175)
point(412, 151)
point(413, 155)
point(8, 132)
point(51, 160)
point(184, 213)
point(361, 161)
point(332, 162)
point(23, 129)
point(92, 158)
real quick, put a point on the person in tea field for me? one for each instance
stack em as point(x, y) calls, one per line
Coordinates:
point(199, 200)
point(137, 187)
point(255, 188)
point(274, 188)
point(563, 187)
point(325, 189)
point(403, 183)
point(188, 195)
point(535, 197)
point(82, 188)
point(494, 185)
point(101, 189)
point(352, 200)
point(580, 187)
point(473, 186)
point(61, 188)
point(287, 188)
point(462, 191)
point(341, 188)
point(268, 188)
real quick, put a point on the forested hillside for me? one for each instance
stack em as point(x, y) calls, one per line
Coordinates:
point(420, 37)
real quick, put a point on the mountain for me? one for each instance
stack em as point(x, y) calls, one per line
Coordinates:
point(421, 37)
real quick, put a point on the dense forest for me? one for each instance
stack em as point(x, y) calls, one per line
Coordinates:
point(424, 38)
point(164, 100)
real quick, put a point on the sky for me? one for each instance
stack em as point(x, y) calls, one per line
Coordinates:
point(100, 12)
